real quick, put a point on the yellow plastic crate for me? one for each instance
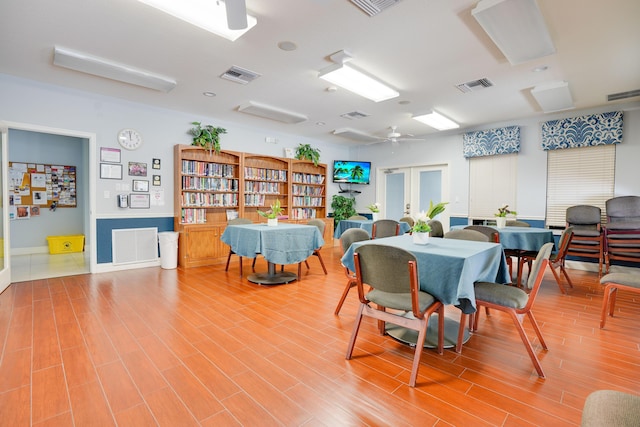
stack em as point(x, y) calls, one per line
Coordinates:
point(65, 244)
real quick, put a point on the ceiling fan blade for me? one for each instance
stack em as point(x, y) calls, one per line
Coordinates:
point(236, 14)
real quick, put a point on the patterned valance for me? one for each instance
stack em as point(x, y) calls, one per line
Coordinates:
point(491, 142)
point(583, 131)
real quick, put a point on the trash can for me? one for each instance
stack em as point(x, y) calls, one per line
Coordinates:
point(168, 249)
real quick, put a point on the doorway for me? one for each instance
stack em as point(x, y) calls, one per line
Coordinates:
point(408, 191)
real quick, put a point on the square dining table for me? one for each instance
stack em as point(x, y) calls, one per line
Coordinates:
point(281, 244)
point(365, 224)
point(447, 269)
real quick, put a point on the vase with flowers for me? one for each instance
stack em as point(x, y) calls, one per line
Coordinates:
point(273, 213)
point(421, 228)
point(375, 210)
point(501, 216)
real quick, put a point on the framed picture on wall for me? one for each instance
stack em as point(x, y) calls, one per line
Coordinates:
point(140, 185)
point(139, 201)
point(110, 155)
point(137, 169)
point(156, 180)
point(110, 171)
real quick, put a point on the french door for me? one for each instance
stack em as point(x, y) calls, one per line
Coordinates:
point(5, 271)
point(408, 191)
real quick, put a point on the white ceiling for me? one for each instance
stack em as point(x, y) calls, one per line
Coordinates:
point(422, 48)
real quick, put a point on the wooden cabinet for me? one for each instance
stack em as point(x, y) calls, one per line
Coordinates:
point(210, 186)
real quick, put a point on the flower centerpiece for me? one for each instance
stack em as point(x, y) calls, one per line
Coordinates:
point(435, 210)
point(501, 215)
point(421, 228)
point(273, 213)
point(375, 210)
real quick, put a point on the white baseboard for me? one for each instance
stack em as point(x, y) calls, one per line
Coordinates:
point(30, 251)
point(109, 267)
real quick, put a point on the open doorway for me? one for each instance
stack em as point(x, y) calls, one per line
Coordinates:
point(43, 149)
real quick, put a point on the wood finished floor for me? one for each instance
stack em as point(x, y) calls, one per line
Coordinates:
point(204, 347)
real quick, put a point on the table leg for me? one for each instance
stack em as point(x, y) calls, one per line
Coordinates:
point(451, 326)
point(271, 277)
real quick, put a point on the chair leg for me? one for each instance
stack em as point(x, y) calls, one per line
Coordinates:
point(536, 329)
point(416, 355)
point(606, 300)
point(527, 343)
point(321, 262)
point(350, 284)
point(299, 270)
point(463, 321)
point(354, 333)
point(240, 261)
point(557, 277)
point(253, 264)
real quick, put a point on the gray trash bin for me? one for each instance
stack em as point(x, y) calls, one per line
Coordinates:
point(168, 249)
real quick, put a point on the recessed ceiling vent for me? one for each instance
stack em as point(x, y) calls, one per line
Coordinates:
point(623, 95)
point(354, 115)
point(239, 75)
point(373, 7)
point(474, 85)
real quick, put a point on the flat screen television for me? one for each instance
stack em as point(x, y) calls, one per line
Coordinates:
point(351, 172)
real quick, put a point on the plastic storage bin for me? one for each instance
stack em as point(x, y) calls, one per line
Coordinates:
point(168, 249)
point(65, 244)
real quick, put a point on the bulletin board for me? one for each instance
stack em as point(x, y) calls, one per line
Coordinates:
point(40, 184)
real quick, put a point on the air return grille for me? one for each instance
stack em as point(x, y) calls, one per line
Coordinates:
point(373, 7)
point(474, 85)
point(623, 95)
point(239, 75)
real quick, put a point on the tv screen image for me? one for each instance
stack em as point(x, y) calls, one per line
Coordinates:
point(351, 172)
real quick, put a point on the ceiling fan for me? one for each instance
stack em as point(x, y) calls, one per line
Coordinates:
point(395, 137)
point(236, 14)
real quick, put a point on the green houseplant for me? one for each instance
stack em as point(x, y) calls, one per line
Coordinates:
point(343, 207)
point(273, 213)
point(306, 152)
point(206, 136)
point(435, 210)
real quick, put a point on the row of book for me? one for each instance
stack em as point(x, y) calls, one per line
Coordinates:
point(262, 187)
point(305, 190)
point(209, 184)
point(193, 167)
point(265, 174)
point(308, 201)
point(307, 178)
point(303, 213)
point(209, 199)
point(193, 216)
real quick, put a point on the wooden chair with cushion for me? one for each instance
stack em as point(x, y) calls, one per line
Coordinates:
point(516, 223)
point(436, 228)
point(237, 221)
point(622, 233)
point(588, 236)
point(408, 220)
point(611, 408)
point(349, 236)
point(612, 282)
point(515, 302)
point(385, 228)
point(490, 232)
point(392, 274)
point(321, 226)
point(358, 217)
point(465, 234)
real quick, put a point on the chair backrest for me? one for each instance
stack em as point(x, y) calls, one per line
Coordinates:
point(623, 208)
point(240, 221)
point(318, 223)
point(436, 228)
point(467, 235)
point(584, 216)
point(408, 220)
point(536, 269)
point(490, 232)
point(350, 236)
point(360, 217)
point(514, 223)
point(385, 228)
point(563, 243)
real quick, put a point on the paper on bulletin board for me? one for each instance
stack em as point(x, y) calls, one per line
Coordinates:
point(157, 197)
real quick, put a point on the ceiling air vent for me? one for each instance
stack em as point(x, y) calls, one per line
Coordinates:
point(354, 115)
point(623, 95)
point(239, 75)
point(474, 85)
point(373, 7)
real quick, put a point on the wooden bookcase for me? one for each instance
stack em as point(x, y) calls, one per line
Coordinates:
point(210, 187)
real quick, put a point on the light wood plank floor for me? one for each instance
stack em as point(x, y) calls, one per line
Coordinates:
point(204, 347)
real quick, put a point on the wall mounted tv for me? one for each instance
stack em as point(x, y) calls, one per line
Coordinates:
point(351, 172)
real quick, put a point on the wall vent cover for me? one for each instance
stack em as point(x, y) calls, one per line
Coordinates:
point(373, 7)
point(354, 115)
point(623, 95)
point(474, 85)
point(239, 75)
point(131, 245)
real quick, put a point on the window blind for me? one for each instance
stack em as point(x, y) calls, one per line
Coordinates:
point(492, 184)
point(579, 176)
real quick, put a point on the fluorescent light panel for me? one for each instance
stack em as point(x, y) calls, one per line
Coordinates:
point(90, 64)
point(553, 96)
point(437, 121)
point(355, 135)
point(517, 27)
point(273, 113)
point(357, 82)
point(210, 15)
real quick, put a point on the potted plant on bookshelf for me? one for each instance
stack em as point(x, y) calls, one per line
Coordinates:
point(421, 228)
point(273, 213)
point(501, 216)
point(206, 136)
point(307, 152)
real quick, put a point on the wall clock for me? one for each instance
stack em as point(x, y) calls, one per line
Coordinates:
point(130, 139)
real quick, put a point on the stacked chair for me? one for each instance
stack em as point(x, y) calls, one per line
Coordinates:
point(588, 236)
point(622, 232)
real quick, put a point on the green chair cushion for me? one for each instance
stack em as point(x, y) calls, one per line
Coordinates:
point(505, 295)
point(627, 279)
point(399, 301)
point(608, 408)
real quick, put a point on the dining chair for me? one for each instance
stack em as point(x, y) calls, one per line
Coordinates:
point(408, 220)
point(622, 232)
point(385, 228)
point(237, 221)
point(612, 282)
point(465, 234)
point(557, 259)
point(516, 223)
point(588, 236)
point(490, 232)
point(321, 226)
point(348, 237)
point(436, 228)
point(358, 217)
point(392, 274)
point(515, 302)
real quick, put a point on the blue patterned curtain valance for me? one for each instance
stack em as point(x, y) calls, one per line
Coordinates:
point(491, 142)
point(583, 131)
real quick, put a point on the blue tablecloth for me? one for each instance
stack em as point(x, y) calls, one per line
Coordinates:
point(448, 268)
point(283, 244)
point(523, 238)
point(365, 224)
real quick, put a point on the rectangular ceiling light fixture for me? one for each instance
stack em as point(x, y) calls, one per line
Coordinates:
point(553, 96)
point(355, 135)
point(273, 113)
point(517, 27)
point(349, 78)
point(437, 121)
point(90, 64)
point(209, 15)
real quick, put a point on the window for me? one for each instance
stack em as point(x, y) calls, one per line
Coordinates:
point(579, 176)
point(492, 184)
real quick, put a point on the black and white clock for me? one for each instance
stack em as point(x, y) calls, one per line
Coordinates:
point(129, 139)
